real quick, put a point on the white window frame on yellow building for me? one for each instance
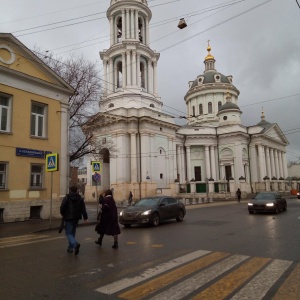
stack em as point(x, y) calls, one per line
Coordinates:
point(3, 175)
point(35, 174)
point(8, 112)
point(37, 117)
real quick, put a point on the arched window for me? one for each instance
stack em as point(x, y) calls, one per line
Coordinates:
point(200, 109)
point(209, 107)
point(119, 75)
point(110, 105)
point(152, 105)
point(141, 30)
point(219, 105)
point(143, 75)
point(119, 30)
point(194, 111)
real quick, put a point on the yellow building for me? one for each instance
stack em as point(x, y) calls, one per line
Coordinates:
point(33, 122)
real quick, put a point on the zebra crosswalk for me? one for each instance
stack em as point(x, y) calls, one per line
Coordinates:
point(15, 241)
point(211, 275)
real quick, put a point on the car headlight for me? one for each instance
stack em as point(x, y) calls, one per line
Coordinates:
point(270, 204)
point(298, 194)
point(121, 213)
point(250, 204)
point(146, 213)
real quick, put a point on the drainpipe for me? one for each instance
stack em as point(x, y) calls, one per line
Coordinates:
point(249, 161)
point(140, 158)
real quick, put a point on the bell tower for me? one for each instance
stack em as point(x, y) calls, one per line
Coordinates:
point(130, 65)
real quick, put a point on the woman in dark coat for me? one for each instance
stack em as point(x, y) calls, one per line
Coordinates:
point(109, 223)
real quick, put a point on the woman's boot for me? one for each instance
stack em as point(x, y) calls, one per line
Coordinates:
point(115, 245)
point(99, 241)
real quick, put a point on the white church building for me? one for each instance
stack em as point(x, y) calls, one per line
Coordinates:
point(209, 157)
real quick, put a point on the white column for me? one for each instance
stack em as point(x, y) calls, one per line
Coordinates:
point(145, 155)
point(170, 157)
point(179, 166)
point(207, 162)
point(123, 27)
point(134, 68)
point(273, 171)
point(285, 170)
point(128, 66)
point(213, 162)
point(264, 162)
point(276, 163)
point(111, 78)
point(253, 163)
point(147, 37)
point(127, 24)
point(267, 150)
point(132, 23)
point(155, 77)
point(137, 24)
point(138, 71)
point(133, 157)
point(218, 167)
point(188, 162)
point(124, 77)
point(261, 162)
point(105, 76)
point(111, 23)
point(150, 87)
point(280, 164)
point(182, 164)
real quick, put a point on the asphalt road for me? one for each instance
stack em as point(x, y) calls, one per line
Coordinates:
point(217, 252)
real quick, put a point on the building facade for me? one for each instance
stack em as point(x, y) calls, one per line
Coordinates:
point(34, 122)
point(211, 156)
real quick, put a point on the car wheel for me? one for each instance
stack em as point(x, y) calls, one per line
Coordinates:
point(180, 216)
point(285, 207)
point(276, 211)
point(155, 219)
point(127, 225)
point(251, 212)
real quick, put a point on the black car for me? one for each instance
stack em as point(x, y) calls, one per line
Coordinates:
point(152, 210)
point(298, 195)
point(267, 202)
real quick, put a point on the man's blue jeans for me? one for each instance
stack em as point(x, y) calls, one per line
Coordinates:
point(70, 228)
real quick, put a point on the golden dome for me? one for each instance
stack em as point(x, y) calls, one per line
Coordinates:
point(209, 56)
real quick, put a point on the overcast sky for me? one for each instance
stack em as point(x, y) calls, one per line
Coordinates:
point(255, 41)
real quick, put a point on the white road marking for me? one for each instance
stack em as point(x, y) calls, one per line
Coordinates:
point(259, 285)
point(127, 282)
point(189, 285)
point(25, 240)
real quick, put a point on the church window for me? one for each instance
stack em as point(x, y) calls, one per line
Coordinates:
point(200, 109)
point(160, 129)
point(141, 30)
point(103, 141)
point(110, 105)
point(161, 176)
point(152, 105)
point(225, 118)
point(193, 111)
point(209, 107)
point(119, 75)
point(143, 75)
point(119, 30)
point(219, 105)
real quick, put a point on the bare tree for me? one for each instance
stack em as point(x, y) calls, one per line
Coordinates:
point(82, 75)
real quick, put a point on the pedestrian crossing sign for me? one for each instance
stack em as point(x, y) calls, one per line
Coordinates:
point(96, 166)
point(52, 162)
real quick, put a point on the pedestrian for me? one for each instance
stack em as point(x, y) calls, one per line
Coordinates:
point(238, 194)
point(130, 198)
point(73, 209)
point(108, 223)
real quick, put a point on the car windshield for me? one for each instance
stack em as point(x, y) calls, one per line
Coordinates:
point(147, 202)
point(265, 196)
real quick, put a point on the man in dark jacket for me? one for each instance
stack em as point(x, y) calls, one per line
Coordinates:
point(72, 209)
